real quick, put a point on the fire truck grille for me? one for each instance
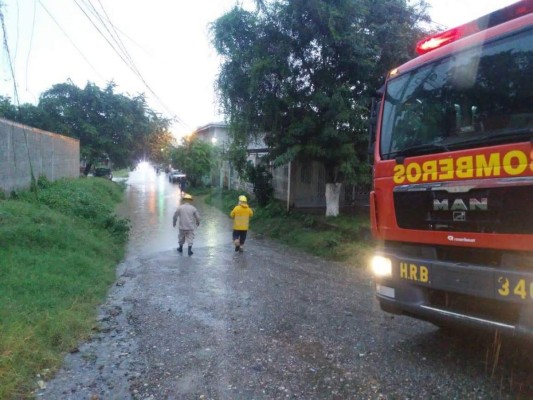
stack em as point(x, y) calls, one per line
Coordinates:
point(486, 210)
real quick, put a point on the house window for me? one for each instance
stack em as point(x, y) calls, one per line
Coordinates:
point(306, 173)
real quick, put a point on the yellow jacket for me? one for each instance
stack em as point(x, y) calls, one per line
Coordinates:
point(241, 216)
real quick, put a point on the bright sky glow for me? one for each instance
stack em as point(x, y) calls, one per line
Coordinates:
point(51, 41)
point(450, 13)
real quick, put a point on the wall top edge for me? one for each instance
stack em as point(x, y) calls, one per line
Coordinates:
point(37, 130)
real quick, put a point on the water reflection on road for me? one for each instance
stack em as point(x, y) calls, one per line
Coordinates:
point(149, 202)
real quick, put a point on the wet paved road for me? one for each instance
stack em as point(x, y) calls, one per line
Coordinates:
point(270, 323)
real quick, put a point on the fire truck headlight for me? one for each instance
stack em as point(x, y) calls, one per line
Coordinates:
point(381, 266)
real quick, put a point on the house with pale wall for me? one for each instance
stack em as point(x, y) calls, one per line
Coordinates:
point(297, 184)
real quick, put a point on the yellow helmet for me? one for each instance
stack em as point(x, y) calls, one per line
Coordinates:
point(187, 196)
point(243, 199)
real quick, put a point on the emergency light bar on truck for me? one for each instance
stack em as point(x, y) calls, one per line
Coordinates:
point(505, 14)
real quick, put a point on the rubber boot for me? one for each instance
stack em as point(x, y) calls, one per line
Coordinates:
point(190, 251)
point(180, 249)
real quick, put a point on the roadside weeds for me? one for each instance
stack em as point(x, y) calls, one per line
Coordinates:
point(59, 246)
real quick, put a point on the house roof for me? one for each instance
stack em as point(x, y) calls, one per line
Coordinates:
point(212, 125)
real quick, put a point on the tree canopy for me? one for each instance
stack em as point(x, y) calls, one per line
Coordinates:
point(108, 125)
point(301, 72)
point(195, 158)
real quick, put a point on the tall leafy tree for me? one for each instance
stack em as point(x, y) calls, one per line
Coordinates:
point(301, 73)
point(109, 125)
point(159, 143)
point(71, 111)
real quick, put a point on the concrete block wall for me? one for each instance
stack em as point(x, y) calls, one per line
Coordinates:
point(51, 155)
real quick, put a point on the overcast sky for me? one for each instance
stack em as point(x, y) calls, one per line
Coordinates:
point(51, 41)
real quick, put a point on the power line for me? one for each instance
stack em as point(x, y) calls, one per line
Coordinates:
point(105, 38)
point(16, 95)
point(31, 40)
point(9, 59)
point(122, 53)
point(115, 38)
point(118, 39)
point(119, 48)
point(70, 40)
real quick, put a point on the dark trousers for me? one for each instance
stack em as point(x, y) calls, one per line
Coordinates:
point(241, 235)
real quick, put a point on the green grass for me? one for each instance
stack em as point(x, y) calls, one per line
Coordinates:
point(121, 173)
point(343, 238)
point(58, 251)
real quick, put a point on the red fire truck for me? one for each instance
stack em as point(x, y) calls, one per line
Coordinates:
point(452, 198)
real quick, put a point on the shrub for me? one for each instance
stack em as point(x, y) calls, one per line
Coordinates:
point(261, 180)
point(43, 182)
point(91, 199)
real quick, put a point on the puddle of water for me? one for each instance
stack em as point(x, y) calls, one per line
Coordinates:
point(149, 202)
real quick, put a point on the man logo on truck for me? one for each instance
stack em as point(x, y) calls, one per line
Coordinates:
point(459, 204)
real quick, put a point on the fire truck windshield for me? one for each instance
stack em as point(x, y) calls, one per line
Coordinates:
point(479, 96)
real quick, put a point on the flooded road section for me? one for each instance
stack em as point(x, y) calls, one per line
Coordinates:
point(150, 201)
point(270, 323)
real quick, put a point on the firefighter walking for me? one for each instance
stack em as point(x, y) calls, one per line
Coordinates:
point(189, 219)
point(241, 214)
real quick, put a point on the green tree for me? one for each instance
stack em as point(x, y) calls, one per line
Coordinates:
point(67, 110)
point(31, 115)
point(301, 72)
point(7, 109)
point(195, 159)
point(109, 125)
point(160, 140)
point(261, 179)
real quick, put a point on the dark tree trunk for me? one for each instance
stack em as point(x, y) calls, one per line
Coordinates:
point(88, 167)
